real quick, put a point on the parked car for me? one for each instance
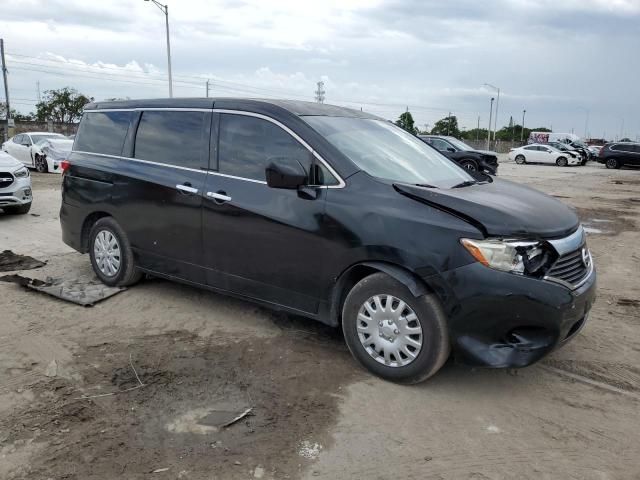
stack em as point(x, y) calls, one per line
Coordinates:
point(570, 139)
point(463, 154)
point(618, 154)
point(47, 154)
point(19, 147)
point(595, 150)
point(563, 147)
point(333, 214)
point(538, 153)
point(15, 185)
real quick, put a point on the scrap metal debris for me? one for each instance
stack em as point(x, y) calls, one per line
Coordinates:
point(81, 291)
point(10, 262)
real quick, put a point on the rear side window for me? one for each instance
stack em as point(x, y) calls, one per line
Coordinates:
point(103, 132)
point(174, 138)
point(247, 145)
point(531, 148)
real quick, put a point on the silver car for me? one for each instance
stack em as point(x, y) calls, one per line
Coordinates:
point(15, 185)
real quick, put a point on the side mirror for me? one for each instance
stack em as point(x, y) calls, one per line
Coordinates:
point(283, 172)
point(451, 149)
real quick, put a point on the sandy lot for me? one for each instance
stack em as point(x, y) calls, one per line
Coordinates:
point(204, 359)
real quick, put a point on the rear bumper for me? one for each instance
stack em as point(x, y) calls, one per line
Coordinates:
point(499, 319)
point(71, 221)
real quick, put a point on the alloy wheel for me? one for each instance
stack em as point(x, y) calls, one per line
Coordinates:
point(389, 330)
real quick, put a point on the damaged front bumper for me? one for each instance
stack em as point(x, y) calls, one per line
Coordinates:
point(499, 319)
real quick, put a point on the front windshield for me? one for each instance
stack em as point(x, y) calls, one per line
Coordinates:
point(459, 144)
point(386, 151)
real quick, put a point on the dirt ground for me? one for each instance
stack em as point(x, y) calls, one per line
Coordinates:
point(148, 383)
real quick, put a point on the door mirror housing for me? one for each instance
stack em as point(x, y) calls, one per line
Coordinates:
point(451, 149)
point(283, 172)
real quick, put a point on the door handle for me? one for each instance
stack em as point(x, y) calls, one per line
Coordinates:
point(219, 197)
point(187, 189)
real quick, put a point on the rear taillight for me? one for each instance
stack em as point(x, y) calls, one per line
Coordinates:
point(64, 165)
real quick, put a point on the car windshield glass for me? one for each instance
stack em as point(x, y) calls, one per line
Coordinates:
point(39, 137)
point(460, 144)
point(386, 151)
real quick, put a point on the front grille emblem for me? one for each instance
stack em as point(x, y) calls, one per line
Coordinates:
point(586, 259)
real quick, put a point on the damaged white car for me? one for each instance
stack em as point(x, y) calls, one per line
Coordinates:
point(48, 153)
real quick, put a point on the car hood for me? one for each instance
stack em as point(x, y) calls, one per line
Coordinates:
point(500, 208)
point(486, 152)
point(7, 160)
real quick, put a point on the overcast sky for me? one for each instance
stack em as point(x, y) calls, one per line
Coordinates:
point(561, 60)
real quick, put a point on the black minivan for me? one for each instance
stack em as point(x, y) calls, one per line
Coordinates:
point(333, 214)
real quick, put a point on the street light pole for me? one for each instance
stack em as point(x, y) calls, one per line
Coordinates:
point(495, 122)
point(522, 129)
point(165, 9)
point(489, 132)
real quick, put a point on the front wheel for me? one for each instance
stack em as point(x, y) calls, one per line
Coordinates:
point(392, 333)
point(470, 165)
point(562, 162)
point(18, 210)
point(111, 254)
point(520, 160)
point(41, 164)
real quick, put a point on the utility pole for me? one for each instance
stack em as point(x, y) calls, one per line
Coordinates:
point(522, 131)
point(38, 87)
point(6, 86)
point(495, 123)
point(320, 92)
point(207, 88)
point(448, 123)
point(165, 9)
point(489, 131)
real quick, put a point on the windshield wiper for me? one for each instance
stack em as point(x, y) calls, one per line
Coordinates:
point(466, 183)
point(425, 185)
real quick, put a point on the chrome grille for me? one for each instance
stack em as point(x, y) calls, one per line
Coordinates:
point(571, 267)
point(6, 179)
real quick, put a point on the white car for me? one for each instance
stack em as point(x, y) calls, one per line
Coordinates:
point(538, 153)
point(21, 147)
point(15, 185)
point(47, 154)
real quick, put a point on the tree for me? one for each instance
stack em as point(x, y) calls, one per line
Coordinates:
point(405, 121)
point(64, 105)
point(17, 116)
point(446, 126)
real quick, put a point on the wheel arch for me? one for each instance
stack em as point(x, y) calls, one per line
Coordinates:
point(353, 274)
point(88, 222)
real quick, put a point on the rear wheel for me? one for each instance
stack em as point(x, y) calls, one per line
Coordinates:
point(111, 254)
point(612, 163)
point(520, 160)
point(470, 165)
point(392, 333)
point(562, 162)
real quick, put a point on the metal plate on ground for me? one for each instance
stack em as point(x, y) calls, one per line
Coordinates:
point(11, 262)
point(81, 291)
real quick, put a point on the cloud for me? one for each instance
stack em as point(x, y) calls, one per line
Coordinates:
point(554, 58)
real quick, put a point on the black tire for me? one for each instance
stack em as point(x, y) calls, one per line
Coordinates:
point(435, 336)
point(18, 209)
point(612, 163)
point(127, 273)
point(468, 164)
point(562, 162)
point(520, 160)
point(41, 164)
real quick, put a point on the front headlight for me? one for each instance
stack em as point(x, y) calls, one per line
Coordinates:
point(515, 256)
point(22, 172)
